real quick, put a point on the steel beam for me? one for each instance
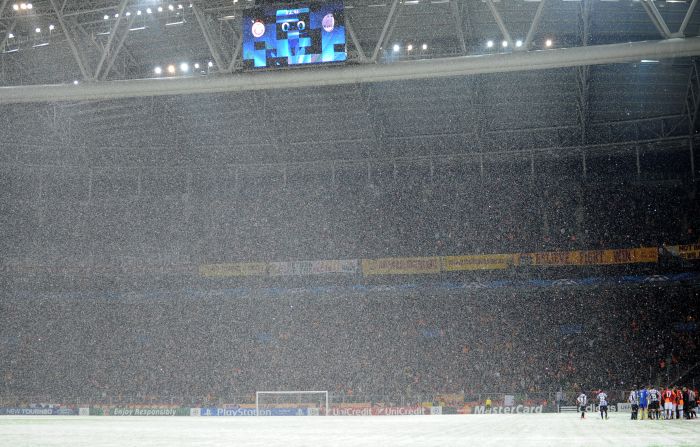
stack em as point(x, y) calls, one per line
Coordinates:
point(584, 71)
point(354, 40)
point(457, 15)
point(3, 5)
point(82, 64)
point(499, 21)
point(7, 35)
point(388, 36)
point(117, 49)
point(656, 18)
point(421, 69)
point(234, 57)
point(533, 26)
point(110, 40)
point(385, 29)
point(686, 19)
point(213, 48)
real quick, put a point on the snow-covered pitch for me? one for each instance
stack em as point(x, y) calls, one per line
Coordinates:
point(384, 431)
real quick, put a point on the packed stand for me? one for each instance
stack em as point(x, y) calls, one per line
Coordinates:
point(504, 340)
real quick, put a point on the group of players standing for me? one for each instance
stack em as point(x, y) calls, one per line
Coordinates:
point(650, 403)
point(673, 403)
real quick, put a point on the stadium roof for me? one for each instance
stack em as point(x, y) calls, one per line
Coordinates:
point(582, 98)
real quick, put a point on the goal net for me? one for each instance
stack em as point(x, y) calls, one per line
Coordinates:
point(289, 403)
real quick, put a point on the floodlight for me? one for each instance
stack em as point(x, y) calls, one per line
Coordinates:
point(38, 30)
point(396, 48)
point(210, 64)
point(489, 44)
point(75, 82)
point(196, 66)
point(138, 13)
point(15, 7)
point(518, 43)
point(548, 43)
point(409, 47)
point(149, 11)
point(127, 14)
point(22, 6)
point(425, 46)
point(106, 17)
point(184, 67)
point(171, 69)
point(51, 27)
point(171, 7)
point(504, 44)
point(160, 9)
point(29, 6)
point(158, 70)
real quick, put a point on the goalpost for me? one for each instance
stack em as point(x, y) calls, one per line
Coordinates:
point(311, 401)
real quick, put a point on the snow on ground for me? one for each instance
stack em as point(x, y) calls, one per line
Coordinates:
point(339, 431)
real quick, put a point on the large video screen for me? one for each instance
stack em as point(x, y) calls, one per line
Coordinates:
point(309, 33)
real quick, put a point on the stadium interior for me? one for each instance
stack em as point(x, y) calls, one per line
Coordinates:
point(111, 208)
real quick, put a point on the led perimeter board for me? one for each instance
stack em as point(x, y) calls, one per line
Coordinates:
point(309, 33)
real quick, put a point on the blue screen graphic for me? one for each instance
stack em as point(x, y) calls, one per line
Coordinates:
point(311, 33)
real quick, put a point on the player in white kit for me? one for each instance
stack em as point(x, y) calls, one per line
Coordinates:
point(581, 400)
point(603, 403)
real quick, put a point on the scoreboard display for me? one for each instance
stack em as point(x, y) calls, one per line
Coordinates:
point(310, 33)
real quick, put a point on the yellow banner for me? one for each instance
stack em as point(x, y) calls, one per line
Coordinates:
point(591, 257)
point(233, 269)
point(477, 262)
point(691, 251)
point(400, 266)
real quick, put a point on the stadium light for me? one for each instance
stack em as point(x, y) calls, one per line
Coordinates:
point(23, 6)
point(10, 36)
point(128, 14)
point(171, 69)
point(210, 64)
point(30, 6)
point(396, 48)
point(185, 67)
point(425, 46)
point(548, 43)
point(518, 43)
point(15, 7)
point(504, 44)
point(116, 15)
point(160, 9)
point(138, 13)
point(38, 30)
point(171, 7)
point(196, 66)
point(158, 70)
point(489, 44)
point(51, 27)
point(149, 11)
point(76, 82)
point(409, 47)
point(106, 17)
point(179, 6)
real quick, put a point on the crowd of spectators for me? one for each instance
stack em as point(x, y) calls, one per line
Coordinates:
point(483, 341)
point(353, 217)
